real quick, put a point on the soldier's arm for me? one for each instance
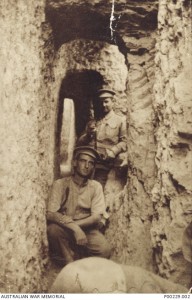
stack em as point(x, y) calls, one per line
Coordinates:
point(121, 146)
point(65, 221)
point(89, 221)
point(60, 219)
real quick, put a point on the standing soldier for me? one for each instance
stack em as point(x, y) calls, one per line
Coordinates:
point(109, 133)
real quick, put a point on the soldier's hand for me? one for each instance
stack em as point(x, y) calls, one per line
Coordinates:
point(110, 153)
point(80, 237)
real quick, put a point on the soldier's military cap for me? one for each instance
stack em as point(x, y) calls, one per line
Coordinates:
point(86, 150)
point(105, 93)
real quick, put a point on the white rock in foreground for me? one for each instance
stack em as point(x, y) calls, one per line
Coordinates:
point(100, 275)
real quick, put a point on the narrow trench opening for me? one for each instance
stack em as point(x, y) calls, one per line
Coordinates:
point(106, 65)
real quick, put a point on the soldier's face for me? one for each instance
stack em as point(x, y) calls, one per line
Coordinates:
point(84, 165)
point(107, 104)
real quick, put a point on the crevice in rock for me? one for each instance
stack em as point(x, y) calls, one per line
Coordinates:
point(179, 188)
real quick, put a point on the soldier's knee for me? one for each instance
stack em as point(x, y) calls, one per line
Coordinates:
point(54, 230)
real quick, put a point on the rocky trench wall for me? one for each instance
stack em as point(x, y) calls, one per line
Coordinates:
point(155, 207)
point(132, 208)
point(173, 109)
point(25, 148)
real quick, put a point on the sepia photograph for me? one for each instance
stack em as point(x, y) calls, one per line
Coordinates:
point(96, 148)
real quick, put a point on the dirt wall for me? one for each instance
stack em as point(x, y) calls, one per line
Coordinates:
point(23, 243)
point(173, 104)
point(131, 216)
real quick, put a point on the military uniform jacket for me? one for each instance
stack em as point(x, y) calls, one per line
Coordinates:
point(77, 202)
point(111, 134)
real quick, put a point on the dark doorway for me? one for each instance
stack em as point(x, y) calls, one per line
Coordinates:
point(81, 87)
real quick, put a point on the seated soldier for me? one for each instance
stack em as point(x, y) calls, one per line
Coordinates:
point(109, 133)
point(75, 209)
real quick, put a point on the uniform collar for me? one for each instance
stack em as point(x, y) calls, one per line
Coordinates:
point(109, 115)
point(77, 182)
